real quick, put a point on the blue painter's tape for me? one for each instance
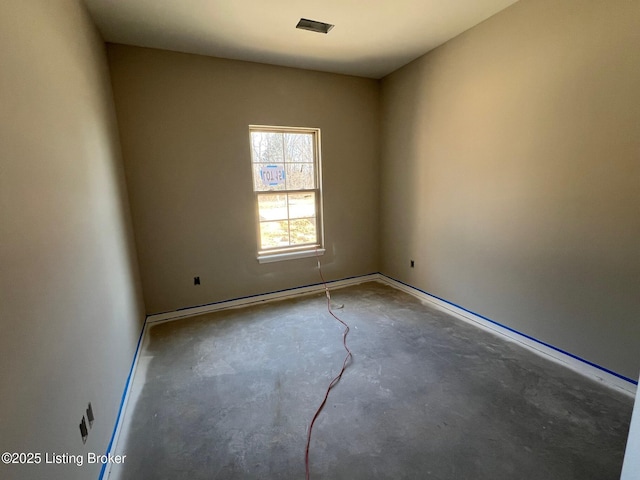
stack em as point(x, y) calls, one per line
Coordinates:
point(275, 175)
point(135, 356)
point(595, 365)
point(102, 471)
point(124, 396)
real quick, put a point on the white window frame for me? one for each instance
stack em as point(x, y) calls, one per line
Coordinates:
point(277, 254)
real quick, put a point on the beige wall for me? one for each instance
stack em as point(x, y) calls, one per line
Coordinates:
point(511, 174)
point(184, 128)
point(70, 302)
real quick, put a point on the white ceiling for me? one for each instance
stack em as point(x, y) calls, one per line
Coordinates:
point(370, 38)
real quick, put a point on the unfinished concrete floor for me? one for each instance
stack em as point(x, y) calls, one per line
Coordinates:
point(229, 395)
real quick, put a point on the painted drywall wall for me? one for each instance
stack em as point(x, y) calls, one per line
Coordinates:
point(70, 303)
point(631, 467)
point(510, 173)
point(184, 123)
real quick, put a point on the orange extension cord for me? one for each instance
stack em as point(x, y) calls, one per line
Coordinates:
point(338, 377)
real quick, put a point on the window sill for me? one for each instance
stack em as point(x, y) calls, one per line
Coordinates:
point(279, 257)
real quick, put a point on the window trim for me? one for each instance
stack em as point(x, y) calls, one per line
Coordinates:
point(297, 251)
point(278, 257)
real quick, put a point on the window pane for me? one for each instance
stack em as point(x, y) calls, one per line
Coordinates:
point(302, 205)
point(274, 234)
point(269, 177)
point(272, 207)
point(300, 176)
point(303, 230)
point(285, 179)
point(267, 147)
point(298, 147)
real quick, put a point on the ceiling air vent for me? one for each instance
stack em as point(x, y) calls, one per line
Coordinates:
point(314, 26)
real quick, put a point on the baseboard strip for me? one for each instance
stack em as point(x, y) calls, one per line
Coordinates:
point(111, 448)
point(213, 307)
point(580, 365)
point(607, 377)
point(261, 298)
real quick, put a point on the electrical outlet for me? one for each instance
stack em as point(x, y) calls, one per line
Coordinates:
point(412, 264)
point(196, 280)
point(83, 430)
point(90, 415)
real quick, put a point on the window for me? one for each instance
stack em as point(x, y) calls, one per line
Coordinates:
point(287, 185)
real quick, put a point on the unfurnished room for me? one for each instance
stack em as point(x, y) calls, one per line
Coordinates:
point(325, 240)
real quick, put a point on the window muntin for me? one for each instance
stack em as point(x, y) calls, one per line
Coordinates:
point(286, 182)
